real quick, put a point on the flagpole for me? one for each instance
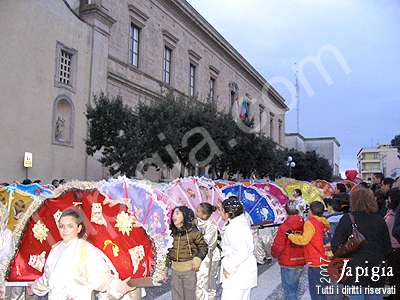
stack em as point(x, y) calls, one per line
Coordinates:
point(297, 98)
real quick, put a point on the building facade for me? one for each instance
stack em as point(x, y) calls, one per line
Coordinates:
point(66, 51)
point(326, 147)
point(383, 159)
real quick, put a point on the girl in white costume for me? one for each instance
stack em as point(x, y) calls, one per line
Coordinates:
point(238, 265)
point(75, 268)
point(6, 244)
point(207, 276)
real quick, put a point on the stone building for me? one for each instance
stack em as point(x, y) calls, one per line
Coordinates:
point(56, 54)
point(383, 159)
point(326, 147)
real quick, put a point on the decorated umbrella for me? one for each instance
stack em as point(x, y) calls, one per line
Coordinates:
point(147, 205)
point(284, 181)
point(220, 183)
point(191, 191)
point(160, 186)
point(135, 250)
point(273, 190)
point(310, 192)
point(261, 207)
point(16, 201)
point(325, 187)
point(35, 189)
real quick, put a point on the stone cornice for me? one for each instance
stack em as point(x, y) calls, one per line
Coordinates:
point(138, 13)
point(126, 81)
point(214, 69)
point(194, 55)
point(98, 11)
point(206, 27)
point(169, 36)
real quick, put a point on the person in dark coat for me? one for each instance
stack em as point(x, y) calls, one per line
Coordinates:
point(393, 259)
point(340, 200)
point(365, 211)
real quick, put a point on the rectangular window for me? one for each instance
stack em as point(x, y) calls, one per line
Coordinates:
point(233, 97)
point(134, 45)
point(192, 80)
point(65, 67)
point(167, 65)
point(271, 128)
point(212, 88)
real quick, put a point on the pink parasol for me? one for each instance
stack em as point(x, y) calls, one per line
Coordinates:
point(192, 191)
point(273, 190)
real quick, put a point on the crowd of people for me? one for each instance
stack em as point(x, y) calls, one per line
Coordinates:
point(202, 256)
point(312, 242)
point(55, 183)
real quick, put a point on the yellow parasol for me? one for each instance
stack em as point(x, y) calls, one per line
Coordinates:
point(284, 182)
point(310, 192)
point(16, 203)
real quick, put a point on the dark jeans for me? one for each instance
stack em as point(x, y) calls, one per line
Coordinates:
point(314, 280)
point(290, 277)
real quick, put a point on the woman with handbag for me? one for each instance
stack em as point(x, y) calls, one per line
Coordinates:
point(363, 237)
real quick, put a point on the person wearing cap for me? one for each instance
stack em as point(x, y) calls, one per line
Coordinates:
point(239, 266)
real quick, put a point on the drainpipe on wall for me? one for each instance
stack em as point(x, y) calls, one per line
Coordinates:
point(89, 96)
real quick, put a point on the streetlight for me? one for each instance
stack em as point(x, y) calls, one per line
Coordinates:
point(291, 164)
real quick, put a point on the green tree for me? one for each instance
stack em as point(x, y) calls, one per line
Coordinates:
point(309, 166)
point(396, 142)
point(180, 129)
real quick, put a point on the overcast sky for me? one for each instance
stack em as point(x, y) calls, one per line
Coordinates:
point(360, 105)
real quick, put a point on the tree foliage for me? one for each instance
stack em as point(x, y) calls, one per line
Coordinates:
point(180, 129)
point(396, 142)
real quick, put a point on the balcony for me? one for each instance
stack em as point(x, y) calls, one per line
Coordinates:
point(371, 171)
point(370, 160)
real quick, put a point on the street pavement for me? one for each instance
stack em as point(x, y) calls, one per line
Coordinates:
point(269, 286)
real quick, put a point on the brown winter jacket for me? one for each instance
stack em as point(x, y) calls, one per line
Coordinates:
point(187, 245)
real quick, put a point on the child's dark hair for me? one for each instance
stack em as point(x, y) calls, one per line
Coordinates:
point(388, 181)
point(188, 217)
point(208, 209)
point(317, 208)
point(26, 181)
point(233, 207)
point(298, 191)
point(78, 216)
point(394, 196)
point(341, 187)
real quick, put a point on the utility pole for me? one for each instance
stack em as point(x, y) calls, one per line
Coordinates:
point(297, 97)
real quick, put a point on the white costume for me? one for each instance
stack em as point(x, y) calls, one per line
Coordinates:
point(207, 275)
point(238, 260)
point(6, 250)
point(6, 244)
point(75, 269)
point(263, 239)
point(302, 206)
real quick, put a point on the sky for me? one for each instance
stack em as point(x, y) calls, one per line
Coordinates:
point(357, 98)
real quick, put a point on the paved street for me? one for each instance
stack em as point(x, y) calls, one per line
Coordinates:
point(269, 286)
